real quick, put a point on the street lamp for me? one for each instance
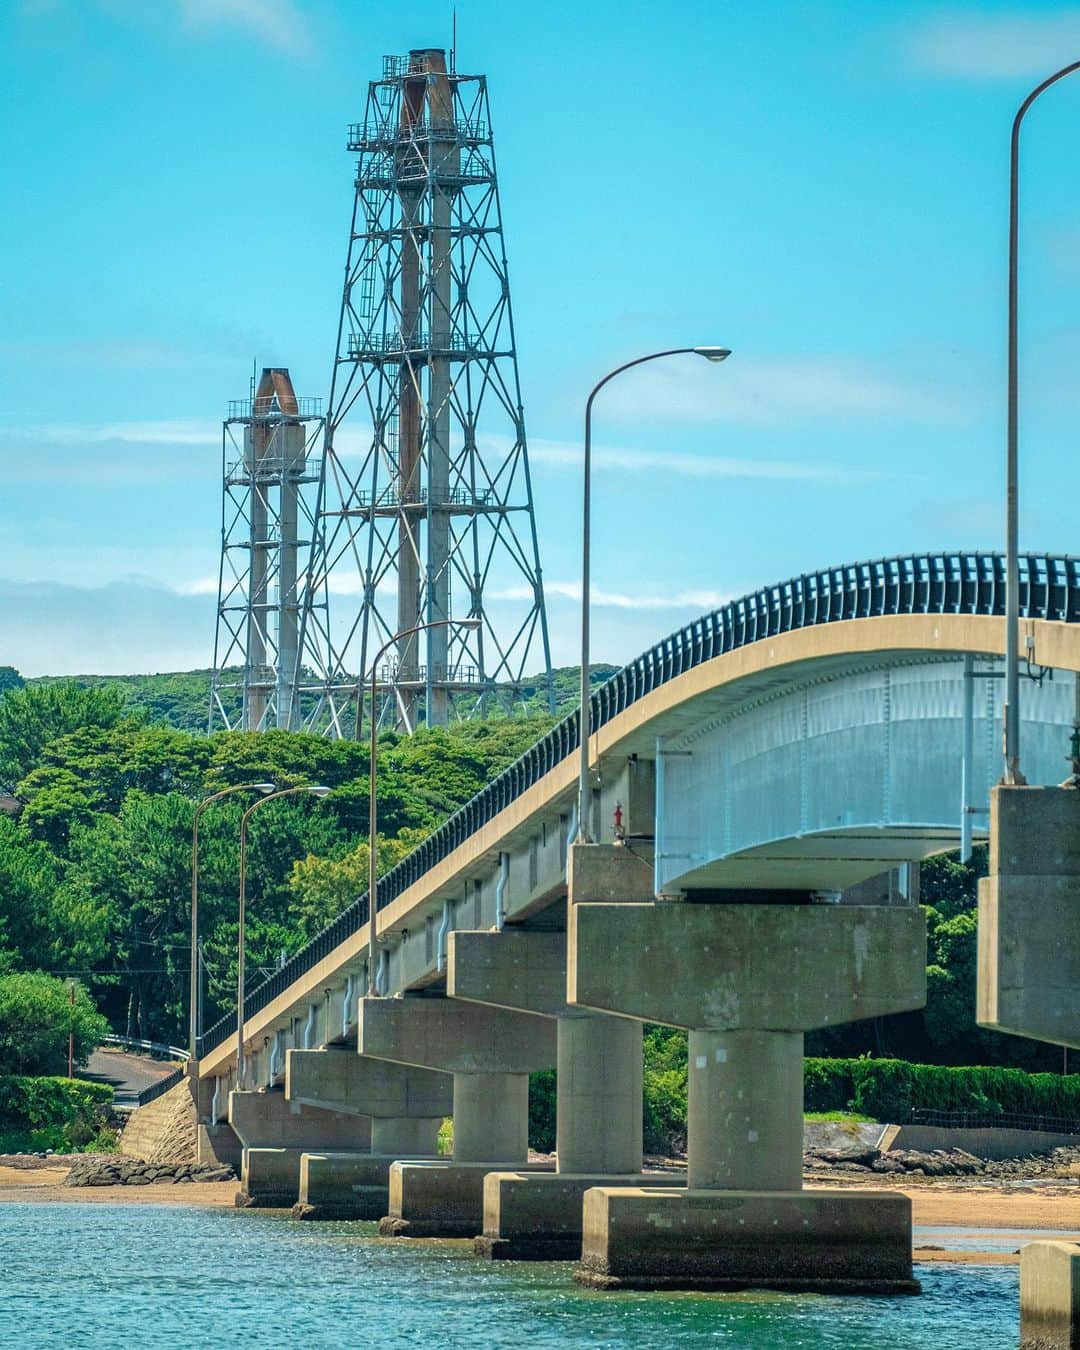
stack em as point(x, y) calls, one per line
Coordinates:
point(1012, 558)
point(373, 846)
point(193, 1020)
point(317, 791)
point(584, 716)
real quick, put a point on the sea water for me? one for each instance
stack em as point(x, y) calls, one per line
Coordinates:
point(143, 1276)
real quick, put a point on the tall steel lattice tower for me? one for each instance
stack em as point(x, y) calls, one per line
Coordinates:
point(271, 466)
point(426, 509)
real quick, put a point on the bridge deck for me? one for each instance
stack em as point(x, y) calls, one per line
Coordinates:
point(895, 608)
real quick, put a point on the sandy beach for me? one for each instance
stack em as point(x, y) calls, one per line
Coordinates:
point(20, 1185)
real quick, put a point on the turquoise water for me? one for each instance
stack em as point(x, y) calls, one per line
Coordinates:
point(134, 1276)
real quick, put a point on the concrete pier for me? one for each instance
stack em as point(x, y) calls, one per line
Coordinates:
point(1050, 1296)
point(405, 1106)
point(1029, 915)
point(490, 1052)
point(276, 1133)
point(598, 1132)
point(746, 980)
point(745, 1110)
point(724, 1240)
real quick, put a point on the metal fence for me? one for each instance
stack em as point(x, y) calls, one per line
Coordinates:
point(994, 1120)
point(926, 583)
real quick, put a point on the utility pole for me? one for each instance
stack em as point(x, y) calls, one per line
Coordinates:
point(71, 1031)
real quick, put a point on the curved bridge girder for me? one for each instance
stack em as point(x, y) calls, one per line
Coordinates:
point(833, 625)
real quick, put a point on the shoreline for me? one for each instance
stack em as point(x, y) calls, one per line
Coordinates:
point(992, 1222)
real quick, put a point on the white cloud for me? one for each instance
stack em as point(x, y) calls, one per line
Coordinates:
point(115, 629)
point(183, 451)
point(198, 586)
point(276, 23)
point(997, 46)
point(178, 431)
point(773, 392)
point(690, 466)
point(702, 600)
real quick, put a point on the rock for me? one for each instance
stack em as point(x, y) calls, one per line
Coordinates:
point(137, 1181)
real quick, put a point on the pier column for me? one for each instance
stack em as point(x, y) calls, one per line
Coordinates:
point(275, 1133)
point(1050, 1296)
point(745, 1110)
point(535, 1215)
point(491, 1117)
point(746, 980)
point(405, 1105)
point(490, 1052)
point(598, 1109)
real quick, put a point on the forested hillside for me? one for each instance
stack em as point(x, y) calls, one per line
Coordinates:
point(182, 699)
point(95, 869)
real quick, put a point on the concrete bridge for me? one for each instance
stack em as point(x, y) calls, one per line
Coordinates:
point(763, 781)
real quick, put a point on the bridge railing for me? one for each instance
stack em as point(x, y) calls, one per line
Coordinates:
point(925, 583)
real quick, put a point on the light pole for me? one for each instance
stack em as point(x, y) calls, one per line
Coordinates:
point(317, 791)
point(1012, 557)
point(193, 1019)
point(373, 809)
point(584, 715)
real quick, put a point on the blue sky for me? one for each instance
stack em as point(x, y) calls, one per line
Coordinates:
point(820, 186)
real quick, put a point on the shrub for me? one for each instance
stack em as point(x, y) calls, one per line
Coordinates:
point(542, 1111)
point(889, 1089)
point(665, 1110)
point(58, 1113)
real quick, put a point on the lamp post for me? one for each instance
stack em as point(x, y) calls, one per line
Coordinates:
point(1012, 557)
point(373, 846)
point(317, 791)
point(193, 1018)
point(584, 715)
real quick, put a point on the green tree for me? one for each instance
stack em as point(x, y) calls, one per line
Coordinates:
point(34, 715)
point(36, 1017)
point(10, 679)
point(322, 887)
point(42, 924)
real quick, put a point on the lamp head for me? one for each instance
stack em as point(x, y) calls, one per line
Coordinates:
point(265, 788)
point(319, 790)
point(713, 353)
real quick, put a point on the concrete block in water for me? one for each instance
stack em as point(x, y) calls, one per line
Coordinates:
point(800, 1241)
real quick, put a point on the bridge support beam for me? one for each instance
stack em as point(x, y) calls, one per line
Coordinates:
point(747, 981)
point(490, 1052)
point(1029, 915)
point(275, 1133)
point(537, 1216)
point(406, 1106)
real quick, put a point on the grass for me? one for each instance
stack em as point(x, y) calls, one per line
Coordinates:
point(838, 1117)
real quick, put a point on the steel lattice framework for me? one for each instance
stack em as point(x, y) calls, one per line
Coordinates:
point(425, 510)
point(271, 465)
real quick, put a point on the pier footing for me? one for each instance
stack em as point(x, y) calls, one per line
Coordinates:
point(723, 1240)
point(531, 1216)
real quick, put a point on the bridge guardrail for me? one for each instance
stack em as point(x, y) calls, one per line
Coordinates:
point(162, 1086)
point(158, 1048)
point(925, 583)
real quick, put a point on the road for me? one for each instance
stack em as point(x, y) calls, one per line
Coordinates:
point(127, 1074)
